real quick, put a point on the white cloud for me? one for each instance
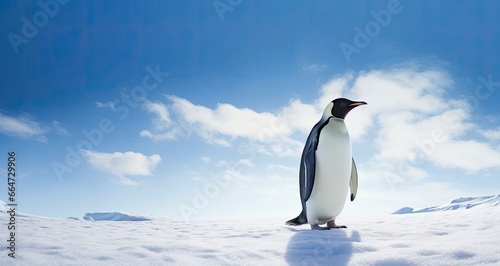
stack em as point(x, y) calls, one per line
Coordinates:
point(334, 88)
point(108, 104)
point(469, 155)
point(162, 118)
point(170, 135)
point(246, 162)
point(162, 123)
point(298, 116)
point(492, 134)
point(22, 126)
point(121, 164)
point(314, 67)
point(226, 123)
point(59, 128)
point(269, 132)
point(228, 120)
point(410, 117)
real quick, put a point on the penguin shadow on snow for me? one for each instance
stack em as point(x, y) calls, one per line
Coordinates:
point(321, 247)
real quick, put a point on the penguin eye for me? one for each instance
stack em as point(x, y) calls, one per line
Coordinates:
point(343, 105)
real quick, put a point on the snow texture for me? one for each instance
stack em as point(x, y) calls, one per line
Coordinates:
point(461, 237)
point(460, 203)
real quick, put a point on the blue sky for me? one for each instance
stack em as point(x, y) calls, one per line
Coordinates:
point(199, 109)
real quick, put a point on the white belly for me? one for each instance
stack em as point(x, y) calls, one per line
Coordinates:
point(333, 172)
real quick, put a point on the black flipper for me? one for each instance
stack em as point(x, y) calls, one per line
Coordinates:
point(353, 183)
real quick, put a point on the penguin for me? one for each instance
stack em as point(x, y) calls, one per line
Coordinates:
point(327, 169)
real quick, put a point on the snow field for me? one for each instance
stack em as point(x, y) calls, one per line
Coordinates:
point(459, 237)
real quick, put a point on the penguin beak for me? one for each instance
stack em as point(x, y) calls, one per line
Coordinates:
point(354, 104)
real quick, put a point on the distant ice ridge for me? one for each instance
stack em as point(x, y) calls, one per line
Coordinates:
point(460, 203)
point(97, 216)
point(112, 216)
point(3, 207)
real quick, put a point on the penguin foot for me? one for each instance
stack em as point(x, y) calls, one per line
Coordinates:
point(317, 227)
point(331, 224)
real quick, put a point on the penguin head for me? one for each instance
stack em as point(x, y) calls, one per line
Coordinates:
point(340, 107)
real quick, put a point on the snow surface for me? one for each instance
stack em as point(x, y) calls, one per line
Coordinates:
point(461, 237)
point(460, 203)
